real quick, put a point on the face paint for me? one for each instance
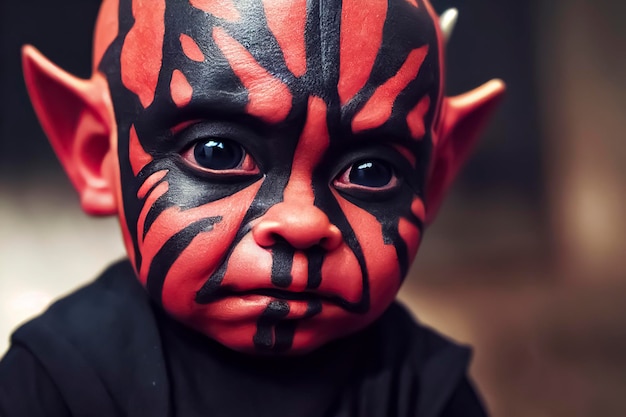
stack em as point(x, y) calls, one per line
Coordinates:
point(272, 160)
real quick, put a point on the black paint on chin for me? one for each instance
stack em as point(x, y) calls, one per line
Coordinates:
point(275, 332)
point(284, 333)
point(274, 312)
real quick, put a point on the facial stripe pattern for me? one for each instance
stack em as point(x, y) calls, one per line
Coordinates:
point(378, 108)
point(191, 48)
point(148, 30)
point(263, 89)
point(181, 89)
point(222, 10)
point(354, 17)
point(307, 94)
point(286, 20)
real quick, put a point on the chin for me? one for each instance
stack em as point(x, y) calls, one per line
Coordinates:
point(309, 336)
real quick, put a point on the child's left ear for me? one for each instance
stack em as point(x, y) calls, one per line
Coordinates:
point(462, 119)
point(76, 115)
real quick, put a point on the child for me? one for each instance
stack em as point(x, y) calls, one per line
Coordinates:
point(273, 164)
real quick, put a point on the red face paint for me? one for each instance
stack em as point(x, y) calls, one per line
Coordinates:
point(180, 89)
point(271, 178)
point(380, 106)
point(191, 48)
point(268, 97)
point(139, 158)
point(224, 9)
point(142, 53)
point(286, 19)
point(358, 44)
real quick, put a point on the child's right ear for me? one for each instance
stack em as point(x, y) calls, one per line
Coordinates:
point(76, 115)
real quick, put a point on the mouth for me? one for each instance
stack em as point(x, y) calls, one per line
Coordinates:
point(279, 294)
point(282, 294)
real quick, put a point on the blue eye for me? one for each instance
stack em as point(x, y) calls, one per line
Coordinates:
point(373, 173)
point(218, 155)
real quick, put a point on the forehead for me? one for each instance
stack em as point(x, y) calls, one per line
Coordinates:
point(265, 58)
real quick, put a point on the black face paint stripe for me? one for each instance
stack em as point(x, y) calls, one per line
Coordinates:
point(260, 43)
point(400, 247)
point(284, 331)
point(338, 218)
point(313, 308)
point(171, 251)
point(282, 263)
point(110, 65)
point(274, 312)
point(267, 196)
point(315, 258)
point(158, 207)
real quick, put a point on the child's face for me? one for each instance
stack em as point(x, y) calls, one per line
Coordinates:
point(272, 160)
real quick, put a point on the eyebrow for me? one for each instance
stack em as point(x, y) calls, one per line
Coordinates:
point(406, 153)
point(387, 136)
point(198, 112)
point(183, 125)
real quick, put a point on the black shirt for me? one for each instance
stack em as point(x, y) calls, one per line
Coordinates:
point(107, 351)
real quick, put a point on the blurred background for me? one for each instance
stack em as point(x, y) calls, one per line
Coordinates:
point(526, 260)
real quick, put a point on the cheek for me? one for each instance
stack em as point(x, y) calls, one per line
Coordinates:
point(341, 274)
point(248, 265)
point(183, 262)
point(204, 254)
point(381, 259)
point(193, 267)
point(410, 233)
point(411, 236)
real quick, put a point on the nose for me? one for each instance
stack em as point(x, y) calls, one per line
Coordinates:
point(302, 226)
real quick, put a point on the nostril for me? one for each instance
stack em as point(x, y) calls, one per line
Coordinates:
point(326, 242)
point(265, 234)
point(277, 239)
point(332, 239)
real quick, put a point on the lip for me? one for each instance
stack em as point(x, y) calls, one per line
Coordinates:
point(282, 294)
point(275, 293)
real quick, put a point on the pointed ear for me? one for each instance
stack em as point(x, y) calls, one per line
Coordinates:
point(462, 119)
point(76, 115)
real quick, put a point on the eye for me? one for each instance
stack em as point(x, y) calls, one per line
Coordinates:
point(218, 155)
point(368, 175)
point(374, 174)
